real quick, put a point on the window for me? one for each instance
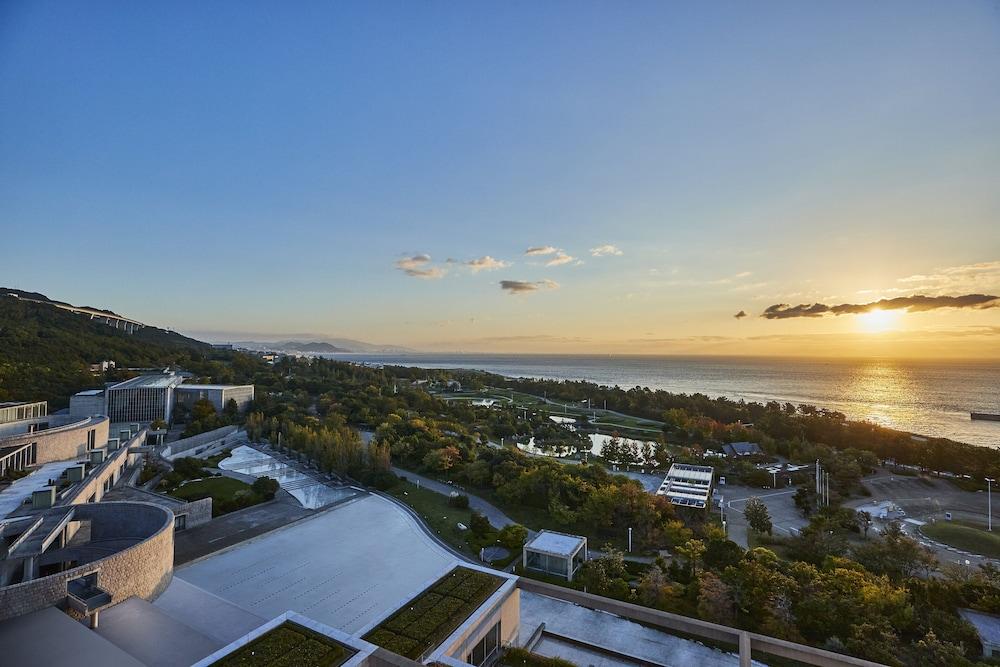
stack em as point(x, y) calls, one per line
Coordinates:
point(91, 439)
point(180, 522)
point(487, 647)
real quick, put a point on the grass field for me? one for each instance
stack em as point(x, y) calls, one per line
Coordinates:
point(965, 535)
point(435, 510)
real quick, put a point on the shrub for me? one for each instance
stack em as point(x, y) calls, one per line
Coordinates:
point(459, 500)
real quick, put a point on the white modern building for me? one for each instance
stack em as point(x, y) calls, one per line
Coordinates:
point(688, 485)
point(558, 554)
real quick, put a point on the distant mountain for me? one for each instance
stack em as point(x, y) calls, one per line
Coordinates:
point(325, 346)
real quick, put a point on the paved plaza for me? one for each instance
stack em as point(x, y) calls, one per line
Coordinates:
point(345, 567)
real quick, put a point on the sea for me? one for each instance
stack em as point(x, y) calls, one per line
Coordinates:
point(929, 398)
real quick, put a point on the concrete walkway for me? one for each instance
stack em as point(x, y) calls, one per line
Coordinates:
point(496, 517)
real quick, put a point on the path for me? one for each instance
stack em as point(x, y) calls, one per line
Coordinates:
point(496, 517)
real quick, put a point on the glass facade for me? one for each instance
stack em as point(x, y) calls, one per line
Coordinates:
point(486, 649)
point(139, 404)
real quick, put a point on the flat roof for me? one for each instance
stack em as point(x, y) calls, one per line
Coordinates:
point(212, 386)
point(158, 381)
point(11, 404)
point(89, 392)
point(50, 637)
point(12, 498)
point(346, 567)
point(686, 471)
point(559, 544)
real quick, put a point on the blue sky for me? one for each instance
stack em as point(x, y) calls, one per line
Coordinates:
point(231, 168)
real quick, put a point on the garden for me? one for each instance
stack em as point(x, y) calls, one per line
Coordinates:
point(431, 616)
point(288, 645)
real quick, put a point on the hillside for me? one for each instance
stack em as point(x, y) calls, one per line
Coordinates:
point(45, 352)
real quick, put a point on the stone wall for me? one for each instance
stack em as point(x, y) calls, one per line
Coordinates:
point(143, 570)
point(60, 443)
point(196, 444)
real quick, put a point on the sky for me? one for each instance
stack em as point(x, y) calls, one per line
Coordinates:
point(381, 170)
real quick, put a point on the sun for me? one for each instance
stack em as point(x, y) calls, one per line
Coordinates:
point(877, 321)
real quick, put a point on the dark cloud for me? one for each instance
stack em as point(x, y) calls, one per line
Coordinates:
point(524, 287)
point(915, 303)
point(740, 315)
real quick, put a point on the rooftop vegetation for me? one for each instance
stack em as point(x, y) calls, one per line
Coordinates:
point(431, 616)
point(289, 645)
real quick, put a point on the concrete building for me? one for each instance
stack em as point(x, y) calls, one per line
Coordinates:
point(142, 399)
point(13, 411)
point(688, 485)
point(218, 394)
point(558, 554)
point(44, 438)
point(146, 398)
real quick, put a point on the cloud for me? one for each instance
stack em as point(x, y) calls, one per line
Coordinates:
point(419, 266)
point(559, 259)
point(915, 303)
point(486, 263)
point(541, 250)
point(740, 315)
point(605, 250)
point(524, 287)
point(979, 277)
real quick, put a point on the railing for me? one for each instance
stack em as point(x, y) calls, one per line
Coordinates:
point(675, 623)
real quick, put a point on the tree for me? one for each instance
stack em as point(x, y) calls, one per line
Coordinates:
point(231, 410)
point(202, 409)
point(692, 551)
point(442, 459)
point(757, 515)
point(513, 536)
point(266, 487)
point(479, 524)
point(933, 652)
point(865, 521)
point(715, 599)
point(720, 554)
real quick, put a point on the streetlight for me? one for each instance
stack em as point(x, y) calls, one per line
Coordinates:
point(989, 503)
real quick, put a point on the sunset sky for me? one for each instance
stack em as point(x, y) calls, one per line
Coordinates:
point(518, 177)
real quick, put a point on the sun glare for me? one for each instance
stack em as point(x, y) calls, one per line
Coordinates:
point(877, 321)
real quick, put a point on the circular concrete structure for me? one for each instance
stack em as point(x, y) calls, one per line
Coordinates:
point(130, 550)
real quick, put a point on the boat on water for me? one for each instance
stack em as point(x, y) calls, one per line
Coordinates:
point(986, 416)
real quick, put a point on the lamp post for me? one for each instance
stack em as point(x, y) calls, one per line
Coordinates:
point(989, 503)
point(630, 540)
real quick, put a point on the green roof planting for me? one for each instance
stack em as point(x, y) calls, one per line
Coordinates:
point(288, 645)
point(431, 616)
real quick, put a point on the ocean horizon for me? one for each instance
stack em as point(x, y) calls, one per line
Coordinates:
point(924, 397)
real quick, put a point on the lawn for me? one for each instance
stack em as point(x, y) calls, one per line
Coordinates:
point(288, 644)
point(437, 513)
point(965, 535)
point(431, 616)
point(227, 494)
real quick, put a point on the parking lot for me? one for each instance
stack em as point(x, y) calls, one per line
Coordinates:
point(784, 515)
point(926, 499)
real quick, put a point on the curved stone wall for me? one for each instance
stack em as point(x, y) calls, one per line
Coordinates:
point(143, 569)
point(60, 443)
